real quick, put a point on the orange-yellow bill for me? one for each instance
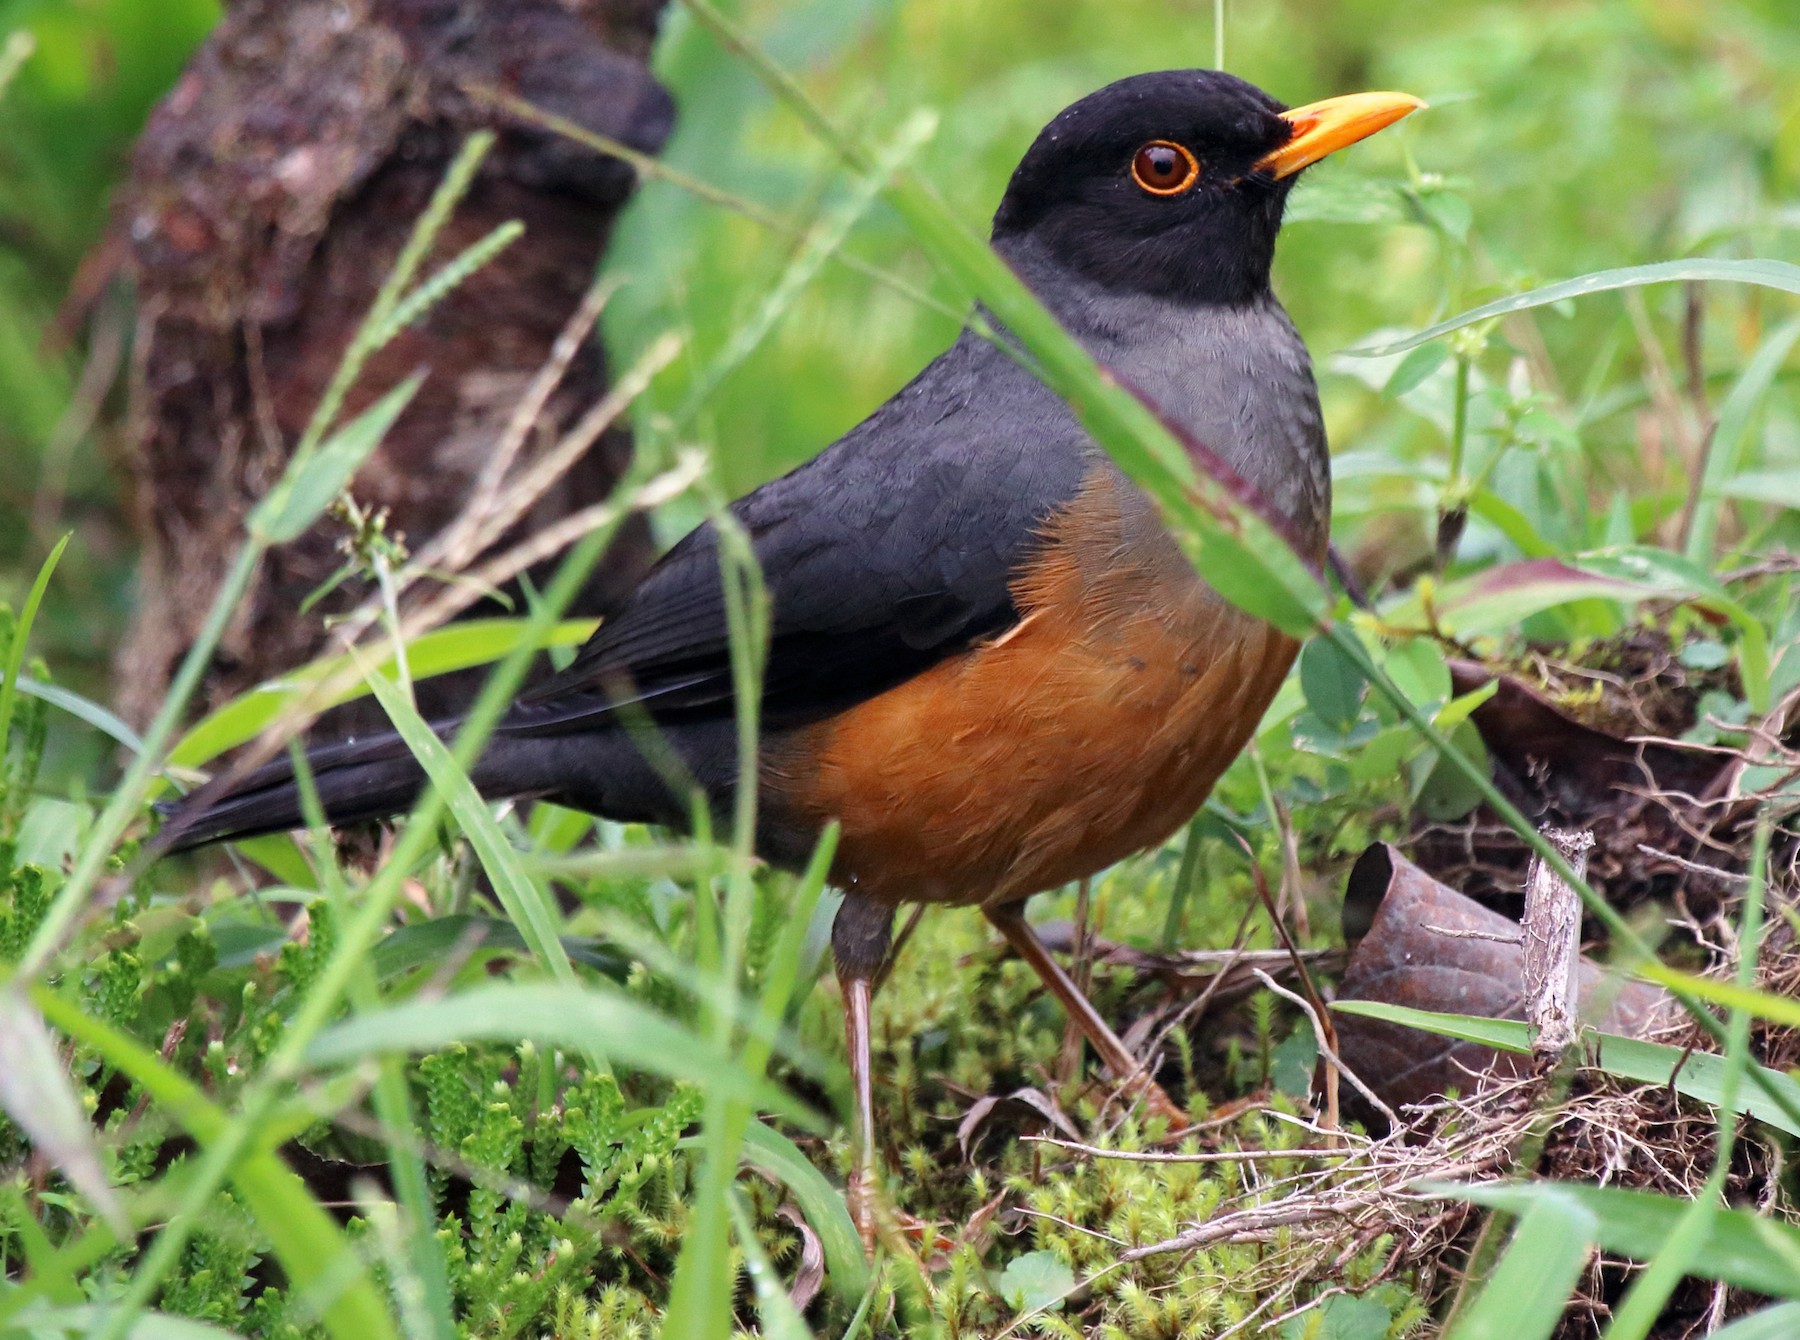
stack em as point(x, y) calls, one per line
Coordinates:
point(1322, 128)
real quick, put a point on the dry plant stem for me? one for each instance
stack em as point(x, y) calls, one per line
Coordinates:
point(1290, 849)
point(547, 543)
point(482, 498)
point(1693, 358)
point(1551, 934)
point(1323, 1028)
point(1368, 1187)
point(1219, 1156)
point(488, 520)
point(306, 709)
point(1197, 1006)
point(1328, 1051)
point(646, 166)
point(106, 354)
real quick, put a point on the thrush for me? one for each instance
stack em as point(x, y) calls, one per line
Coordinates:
point(989, 662)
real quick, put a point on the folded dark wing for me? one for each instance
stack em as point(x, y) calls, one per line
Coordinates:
point(893, 549)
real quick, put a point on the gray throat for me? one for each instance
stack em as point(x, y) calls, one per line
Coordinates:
point(1237, 379)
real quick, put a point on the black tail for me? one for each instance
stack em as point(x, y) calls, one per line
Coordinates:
point(357, 780)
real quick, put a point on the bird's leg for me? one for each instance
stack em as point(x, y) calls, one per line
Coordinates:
point(1010, 921)
point(860, 937)
point(1068, 1065)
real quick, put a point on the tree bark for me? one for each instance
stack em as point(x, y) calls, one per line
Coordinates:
point(268, 196)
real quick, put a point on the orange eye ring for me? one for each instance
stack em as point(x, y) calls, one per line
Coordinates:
point(1165, 168)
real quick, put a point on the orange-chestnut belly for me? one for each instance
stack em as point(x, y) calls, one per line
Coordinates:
point(1092, 729)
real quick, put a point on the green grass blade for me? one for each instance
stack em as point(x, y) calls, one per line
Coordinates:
point(1744, 1248)
point(461, 646)
point(375, 327)
point(425, 943)
point(551, 1014)
point(523, 898)
point(448, 276)
point(15, 652)
point(820, 245)
point(773, 1154)
point(699, 1298)
point(144, 1326)
point(128, 798)
point(36, 1092)
point(303, 493)
point(1512, 1035)
point(1639, 1311)
point(1696, 1075)
point(1730, 443)
point(85, 710)
point(1781, 1322)
point(1525, 1297)
point(312, 1250)
point(1767, 274)
point(418, 1278)
point(780, 1319)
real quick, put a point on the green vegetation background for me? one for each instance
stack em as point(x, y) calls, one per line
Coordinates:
point(1563, 138)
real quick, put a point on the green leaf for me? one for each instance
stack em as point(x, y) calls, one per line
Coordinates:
point(1680, 576)
point(1415, 368)
point(1704, 654)
point(772, 1153)
point(89, 1318)
point(309, 486)
point(1781, 1322)
point(1417, 666)
point(428, 942)
point(1446, 793)
point(1744, 1248)
point(1779, 488)
point(1526, 1295)
point(1512, 1035)
point(1342, 198)
point(21, 634)
point(461, 646)
point(1342, 1317)
point(1731, 436)
point(83, 709)
point(1767, 274)
point(1696, 1075)
point(1036, 1281)
point(1292, 1062)
point(1504, 596)
point(780, 1319)
point(551, 1014)
point(36, 1091)
point(1333, 686)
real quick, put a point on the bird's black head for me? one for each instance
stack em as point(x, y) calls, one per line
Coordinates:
point(1173, 183)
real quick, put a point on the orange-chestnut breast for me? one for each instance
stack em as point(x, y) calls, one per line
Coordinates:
point(1092, 728)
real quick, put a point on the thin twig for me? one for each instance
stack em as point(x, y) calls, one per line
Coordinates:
point(1325, 1048)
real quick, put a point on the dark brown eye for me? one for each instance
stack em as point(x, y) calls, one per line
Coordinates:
point(1164, 168)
